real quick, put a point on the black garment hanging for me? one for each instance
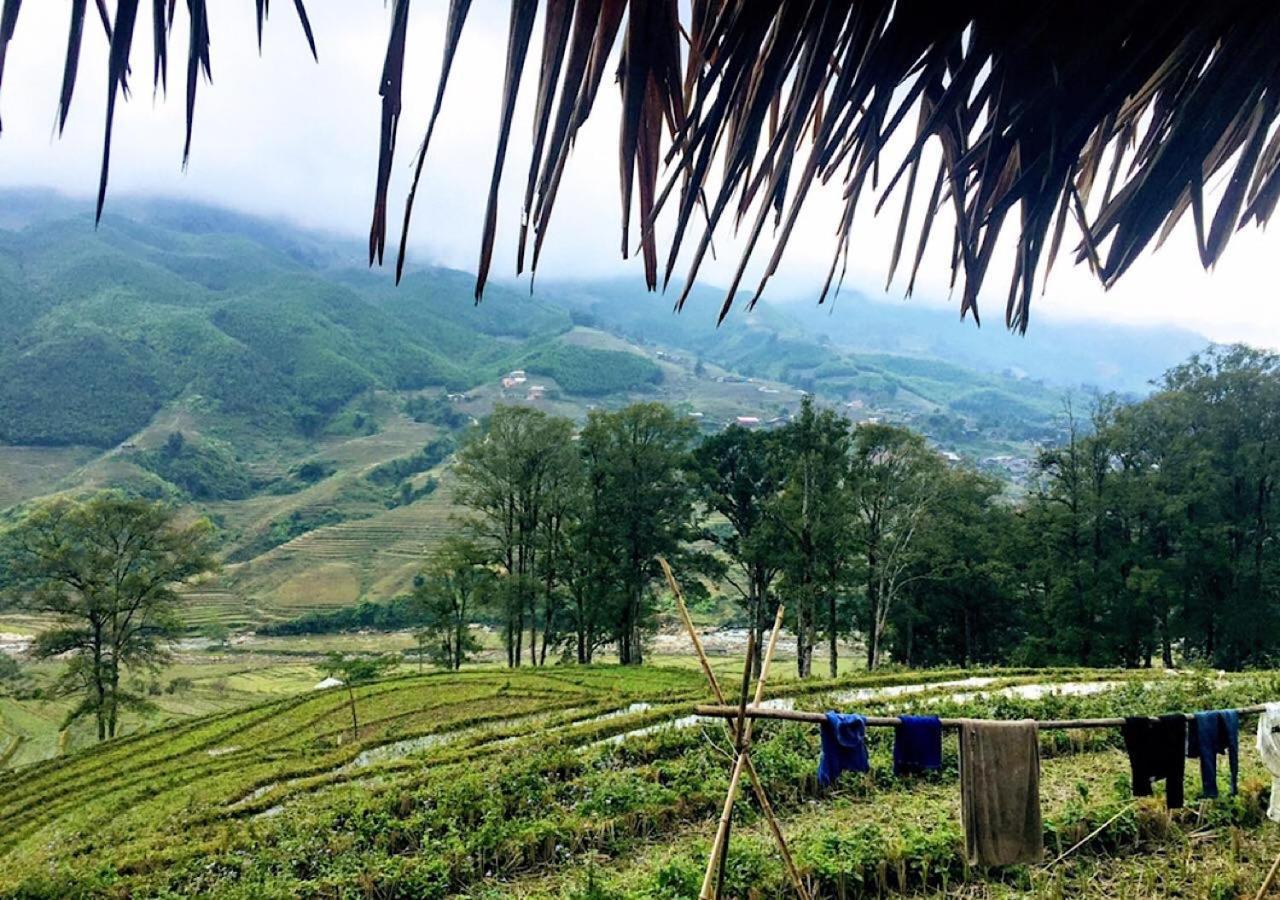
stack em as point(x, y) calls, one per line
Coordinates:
point(1157, 749)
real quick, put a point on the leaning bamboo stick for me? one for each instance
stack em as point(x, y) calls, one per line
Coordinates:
point(741, 731)
point(792, 715)
point(1266, 883)
point(718, 846)
point(756, 784)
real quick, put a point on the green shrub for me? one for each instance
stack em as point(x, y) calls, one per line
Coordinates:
point(205, 471)
point(395, 471)
point(436, 409)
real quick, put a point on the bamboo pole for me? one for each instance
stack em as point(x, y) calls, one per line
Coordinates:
point(740, 730)
point(718, 846)
point(1093, 834)
point(1266, 884)
point(756, 784)
point(792, 715)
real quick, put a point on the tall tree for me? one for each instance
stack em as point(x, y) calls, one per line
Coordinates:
point(560, 509)
point(895, 480)
point(108, 569)
point(507, 469)
point(642, 506)
point(813, 510)
point(739, 473)
point(1061, 512)
point(454, 585)
point(959, 600)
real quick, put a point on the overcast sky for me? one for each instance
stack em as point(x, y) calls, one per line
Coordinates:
point(282, 136)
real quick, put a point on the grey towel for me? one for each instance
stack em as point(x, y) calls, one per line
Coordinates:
point(1000, 792)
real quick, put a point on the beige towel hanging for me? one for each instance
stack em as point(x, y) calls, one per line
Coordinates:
point(1000, 792)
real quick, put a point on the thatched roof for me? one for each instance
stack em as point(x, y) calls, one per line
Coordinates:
point(1018, 116)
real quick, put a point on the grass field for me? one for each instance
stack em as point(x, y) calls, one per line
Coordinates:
point(564, 782)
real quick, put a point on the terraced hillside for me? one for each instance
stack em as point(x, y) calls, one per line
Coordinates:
point(337, 565)
point(594, 782)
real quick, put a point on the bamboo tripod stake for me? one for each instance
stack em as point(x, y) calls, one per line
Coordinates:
point(757, 786)
point(743, 734)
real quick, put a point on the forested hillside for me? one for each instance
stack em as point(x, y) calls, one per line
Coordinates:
point(261, 375)
point(101, 329)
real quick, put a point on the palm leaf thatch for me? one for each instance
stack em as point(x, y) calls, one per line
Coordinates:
point(1111, 117)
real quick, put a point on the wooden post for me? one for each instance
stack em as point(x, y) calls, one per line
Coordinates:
point(756, 784)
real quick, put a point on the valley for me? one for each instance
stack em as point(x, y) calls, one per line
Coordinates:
point(257, 375)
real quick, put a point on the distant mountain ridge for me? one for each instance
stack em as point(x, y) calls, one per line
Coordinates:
point(100, 328)
point(1074, 354)
point(1071, 355)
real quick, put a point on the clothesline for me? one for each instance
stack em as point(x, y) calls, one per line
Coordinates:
point(999, 766)
point(817, 718)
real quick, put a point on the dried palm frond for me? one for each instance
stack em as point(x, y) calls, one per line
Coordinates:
point(750, 103)
point(1113, 117)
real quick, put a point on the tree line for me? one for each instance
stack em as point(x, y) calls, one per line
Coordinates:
point(1154, 524)
point(1145, 535)
point(564, 528)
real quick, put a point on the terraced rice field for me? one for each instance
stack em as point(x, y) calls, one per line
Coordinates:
point(32, 730)
point(589, 782)
point(338, 565)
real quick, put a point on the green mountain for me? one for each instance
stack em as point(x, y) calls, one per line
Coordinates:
point(969, 410)
point(99, 330)
point(263, 375)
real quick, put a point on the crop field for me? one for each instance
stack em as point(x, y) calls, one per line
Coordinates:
point(32, 730)
point(27, 472)
point(205, 678)
point(595, 783)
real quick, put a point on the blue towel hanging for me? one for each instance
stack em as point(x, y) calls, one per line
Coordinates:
point(844, 747)
point(917, 745)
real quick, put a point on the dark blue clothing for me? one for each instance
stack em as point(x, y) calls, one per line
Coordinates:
point(1209, 734)
point(844, 747)
point(917, 745)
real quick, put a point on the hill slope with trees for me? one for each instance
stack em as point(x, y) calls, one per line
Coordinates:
point(262, 375)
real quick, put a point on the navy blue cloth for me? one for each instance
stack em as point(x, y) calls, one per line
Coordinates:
point(917, 745)
point(844, 747)
point(1209, 734)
